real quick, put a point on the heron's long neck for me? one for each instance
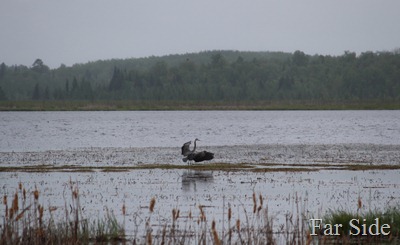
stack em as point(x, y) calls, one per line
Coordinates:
point(194, 148)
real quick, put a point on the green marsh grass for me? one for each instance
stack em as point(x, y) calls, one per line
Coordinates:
point(390, 216)
point(362, 219)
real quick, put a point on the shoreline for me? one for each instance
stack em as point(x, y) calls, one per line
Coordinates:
point(129, 105)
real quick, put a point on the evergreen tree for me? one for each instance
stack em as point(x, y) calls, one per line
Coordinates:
point(86, 90)
point(2, 94)
point(117, 80)
point(74, 85)
point(214, 75)
point(46, 94)
point(36, 92)
point(299, 58)
point(67, 86)
point(39, 66)
point(3, 69)
point(73, 94)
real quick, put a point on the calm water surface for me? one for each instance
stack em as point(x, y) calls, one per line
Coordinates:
point(187, 189)
point(39, 131)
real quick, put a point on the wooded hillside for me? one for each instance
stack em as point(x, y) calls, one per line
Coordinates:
point(212, 76)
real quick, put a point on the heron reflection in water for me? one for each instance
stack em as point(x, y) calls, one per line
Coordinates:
point(195, 178)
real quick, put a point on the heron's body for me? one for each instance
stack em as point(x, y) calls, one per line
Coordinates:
point(202, 156)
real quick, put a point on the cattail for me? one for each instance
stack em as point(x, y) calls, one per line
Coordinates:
point(40, 209)
point(149, 239)
point(173, 214)
point(5, 203)
point(24, 194)
point(123, 209)
point(20, 185)
point(215, 233)
point(254, 203)
point(229, 213)
point(238, 224)
point(216, 238)
point(11, 213)
point(15, 203)
point(359, 204)
point(36, 194)
point(261, 200)
point(190, 214)
point(152, 203)
point(75, 193)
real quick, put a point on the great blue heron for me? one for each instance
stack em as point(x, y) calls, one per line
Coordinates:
point(192, 155)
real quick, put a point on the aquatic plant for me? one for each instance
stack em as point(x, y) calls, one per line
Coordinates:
point(354, 225)
point(27, 221)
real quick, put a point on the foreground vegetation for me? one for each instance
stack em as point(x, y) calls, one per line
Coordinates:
point(210, 80)
point(27, 221)
point(389, 216)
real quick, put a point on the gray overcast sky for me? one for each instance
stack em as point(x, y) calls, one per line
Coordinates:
point(78, 31)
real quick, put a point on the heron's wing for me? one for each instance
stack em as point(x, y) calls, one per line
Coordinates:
point(185, 148)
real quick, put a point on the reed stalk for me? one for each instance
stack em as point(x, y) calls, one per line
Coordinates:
point(25, 221)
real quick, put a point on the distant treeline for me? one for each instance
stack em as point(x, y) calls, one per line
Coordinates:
point(212, 76)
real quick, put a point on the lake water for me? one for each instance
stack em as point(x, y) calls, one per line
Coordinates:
point(129, 138)
point(40, 131)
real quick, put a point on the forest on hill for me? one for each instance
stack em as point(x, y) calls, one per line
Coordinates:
point(212, 76)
